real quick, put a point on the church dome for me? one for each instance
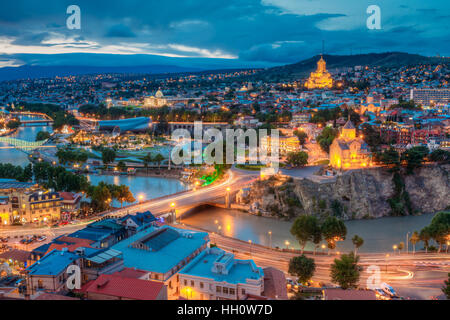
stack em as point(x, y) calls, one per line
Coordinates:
point(159, 94)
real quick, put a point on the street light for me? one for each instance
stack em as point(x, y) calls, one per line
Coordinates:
point(394, 247)
point(270, 239)
point(250, 241)
point(287, 244)
point(407, 235)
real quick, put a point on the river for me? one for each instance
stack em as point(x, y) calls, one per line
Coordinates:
point(379, 234)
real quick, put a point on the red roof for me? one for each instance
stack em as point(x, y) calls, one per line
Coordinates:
point(69, 196)
point(131, 273)
point(117, 286)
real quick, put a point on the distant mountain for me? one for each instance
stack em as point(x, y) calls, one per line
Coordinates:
point(26, 72)
point(388, 59)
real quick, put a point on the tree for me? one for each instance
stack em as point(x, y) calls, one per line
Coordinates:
point(390, 157)
point(357, 242)
point(302, 267)
point(400, 247)
point(333, 230)
point(439, 228)
point(42, 135)
point(297, 159)
point(304, 229)
point(147, 160)
point(301, 135)
point(440, 155)
point(425, 237)
point(345, 271)
point(414, 239)
point(325, 139)
point(414, 157)
point(159, 158)
point(446, 287)
point(13, 124)
point(123, 194)
point(108, 156)
point(121, 165)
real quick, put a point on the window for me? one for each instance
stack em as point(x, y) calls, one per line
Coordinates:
point(232, 291)
point(218, 289)
point(201, 285)
point(243, 291)
point(225, 290)
point(192, 283)
point(185, 282)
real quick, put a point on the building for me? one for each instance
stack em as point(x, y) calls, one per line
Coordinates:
point(348, 151)
point(430, 96)
point(116, 287)
point(23, 202)
point(71, 203)
point(349, 294)
point(217, 275)
point(163, 252)
point(285, 144)
point(321, 78)
point(103, 233)
point(300, 118)
point(139, 124)
point(156, 101)
point(247, 122)
point(137, 222)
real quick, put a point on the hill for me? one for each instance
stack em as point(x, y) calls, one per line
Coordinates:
point(388, 59)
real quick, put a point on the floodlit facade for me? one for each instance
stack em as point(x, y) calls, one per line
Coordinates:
point(321, 78)
point(348, 151)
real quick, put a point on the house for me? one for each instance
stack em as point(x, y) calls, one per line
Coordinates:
point(116, 287)
point(103, 233)
point(274, 284)
point(162, 251)
point(137, 222)
point(59, 244)
point(70, 204)
point(216, 275)
point(49, 273)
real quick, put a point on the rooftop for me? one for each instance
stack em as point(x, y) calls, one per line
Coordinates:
point(53, 263)
point(161, 258)
point(130, 288)
point(216, 264)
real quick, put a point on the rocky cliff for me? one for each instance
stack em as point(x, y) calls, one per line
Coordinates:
point(357, 194)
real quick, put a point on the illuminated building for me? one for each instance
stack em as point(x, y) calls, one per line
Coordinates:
point(321, 78)
point(349, 151)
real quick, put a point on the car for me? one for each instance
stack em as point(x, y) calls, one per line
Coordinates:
point(42, 238)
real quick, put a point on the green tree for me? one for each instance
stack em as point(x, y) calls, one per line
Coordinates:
point(415, 237)
point(303, 268)
point(325, 139)
point(301, 135)
point(147, 159)
point(333, 230)
point(414, 157)
point(42, 135)
point(13, 124)
point(121, 165)
point(446, 287)
point(345, 271)
point(439, 228)
point(108, 156)
point(305, 228)
point(390, 158)
point(425, 237)
point(357, 242)
point(297, 159)
point(158, 158)
point(439, 155)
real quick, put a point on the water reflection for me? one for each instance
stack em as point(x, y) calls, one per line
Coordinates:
point(379, 235)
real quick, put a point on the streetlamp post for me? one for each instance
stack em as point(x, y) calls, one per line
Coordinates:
point(287, 244)
point(270, 239)
point(394, 247)
point(407, 247)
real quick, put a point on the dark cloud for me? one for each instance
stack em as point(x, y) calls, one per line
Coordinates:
point(120, 31)
point(249, 29)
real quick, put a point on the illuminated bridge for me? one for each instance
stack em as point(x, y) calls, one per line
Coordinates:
point(23, 144)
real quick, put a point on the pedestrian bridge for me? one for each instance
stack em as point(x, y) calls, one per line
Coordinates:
point(23, 144)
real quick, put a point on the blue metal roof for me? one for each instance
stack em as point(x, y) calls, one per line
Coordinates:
point(53, 263)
